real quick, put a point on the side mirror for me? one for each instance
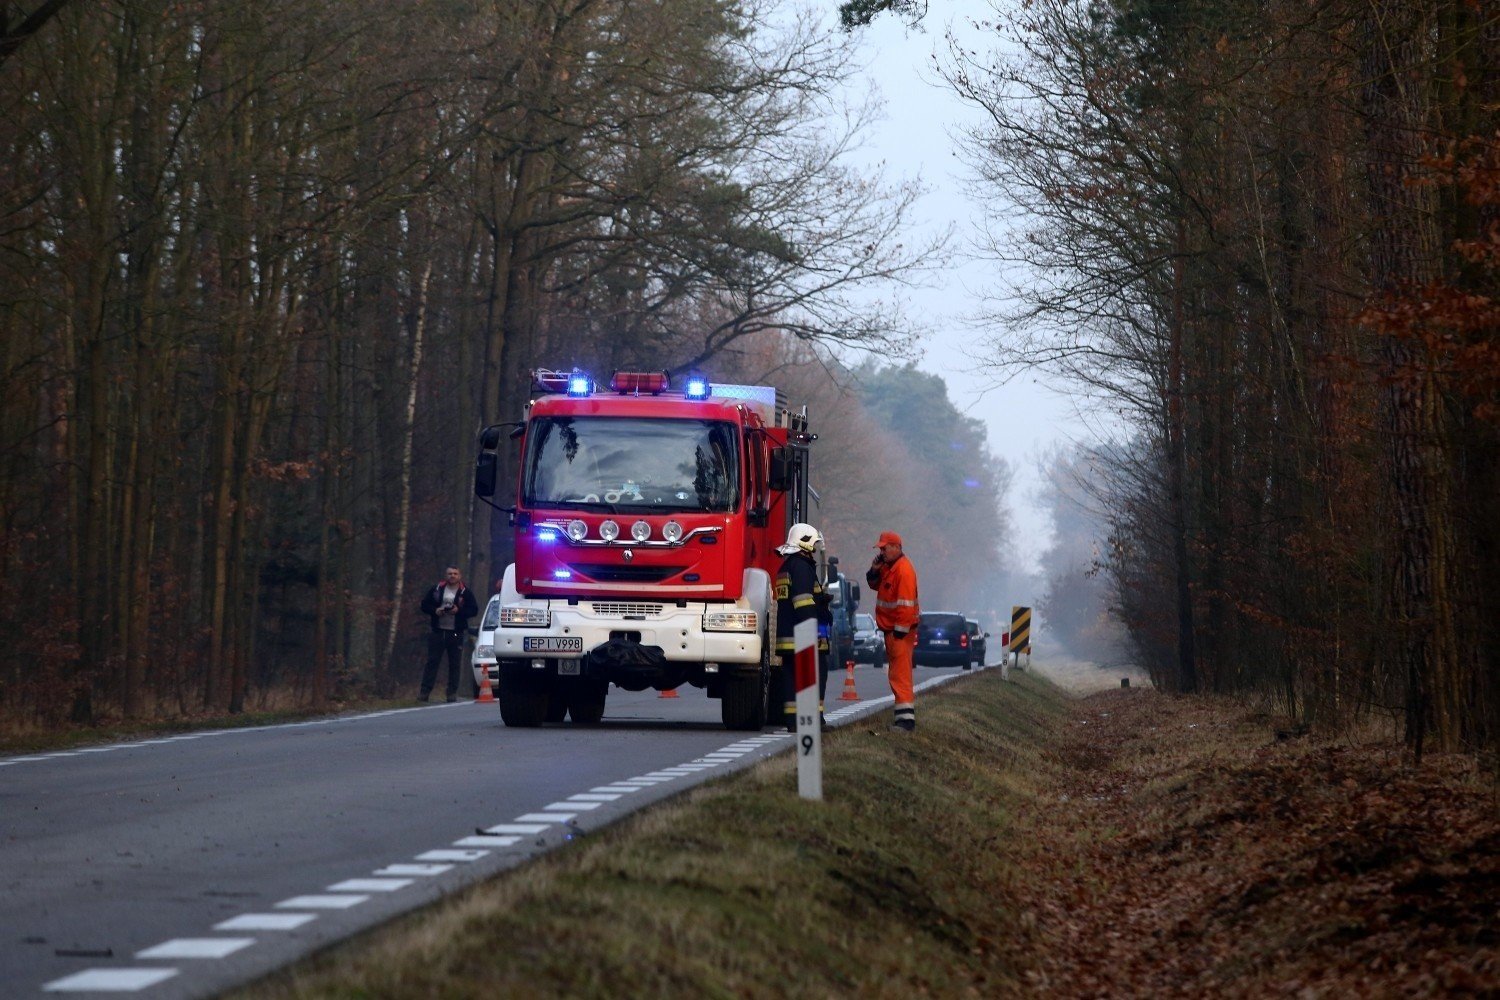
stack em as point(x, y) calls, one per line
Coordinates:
point(781, 470)
point(473, 631)
point(486, 468)
point(489, 438)
point(854, 593)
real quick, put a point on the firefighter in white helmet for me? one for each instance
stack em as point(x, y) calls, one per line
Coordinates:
point(797, 589)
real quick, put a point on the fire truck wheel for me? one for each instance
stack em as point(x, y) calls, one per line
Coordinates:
point(557, 703)
point(743, 705)
point(586, 704)
point(523, 699)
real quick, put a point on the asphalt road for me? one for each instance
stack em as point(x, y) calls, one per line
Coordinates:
point(183, 866)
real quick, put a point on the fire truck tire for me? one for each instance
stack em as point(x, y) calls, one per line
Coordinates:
point(557, 703)
point(586, 704)
point(744, 703)
point(743, 706)
point(523, 700)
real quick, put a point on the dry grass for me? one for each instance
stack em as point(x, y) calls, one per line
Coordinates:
point(1126, 844)
point(741, 889)
point(1199, 849)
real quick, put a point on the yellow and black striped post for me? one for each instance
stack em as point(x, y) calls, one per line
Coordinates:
point(1020, 632)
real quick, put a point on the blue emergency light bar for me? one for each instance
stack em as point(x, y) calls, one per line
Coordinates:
point(579, 384)
point(697, 387)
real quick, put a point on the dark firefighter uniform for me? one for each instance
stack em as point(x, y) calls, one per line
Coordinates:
point(797, 590)
point(824, 601)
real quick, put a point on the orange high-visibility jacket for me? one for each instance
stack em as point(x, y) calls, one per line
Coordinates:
point(896, 604)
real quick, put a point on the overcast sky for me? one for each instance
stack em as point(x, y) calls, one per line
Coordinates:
point(1024, 418)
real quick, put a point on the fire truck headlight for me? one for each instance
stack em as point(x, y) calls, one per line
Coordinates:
point(577, 530)
point(640, 531)
point(672, 531)
point(609, 531)
point(730, 621)
point(523, 617)
point(484, 652)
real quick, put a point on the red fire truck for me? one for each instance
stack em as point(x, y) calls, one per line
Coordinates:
point(646, 524)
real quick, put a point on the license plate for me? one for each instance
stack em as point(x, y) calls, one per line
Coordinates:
point(569, 668)
point(553, 644)
point(940, 642)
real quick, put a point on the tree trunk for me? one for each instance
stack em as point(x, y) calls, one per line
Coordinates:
point(403, 517)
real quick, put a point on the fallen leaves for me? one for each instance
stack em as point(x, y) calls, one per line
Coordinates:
point(1182, 849)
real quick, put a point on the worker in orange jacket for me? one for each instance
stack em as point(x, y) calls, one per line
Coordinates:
point(897, 610)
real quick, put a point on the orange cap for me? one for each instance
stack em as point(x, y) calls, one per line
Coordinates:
point(888, 538)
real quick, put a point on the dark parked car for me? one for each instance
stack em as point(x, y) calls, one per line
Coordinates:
point(942, 640)
point(869, 644)
point(844, 594)
point(978, 647)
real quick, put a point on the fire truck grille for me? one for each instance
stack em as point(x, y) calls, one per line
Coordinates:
point(605, 573)
point(613, 609)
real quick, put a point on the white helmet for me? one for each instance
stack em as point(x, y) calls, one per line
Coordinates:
point(800, 538)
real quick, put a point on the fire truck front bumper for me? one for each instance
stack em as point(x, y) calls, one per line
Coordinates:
point(604, 632)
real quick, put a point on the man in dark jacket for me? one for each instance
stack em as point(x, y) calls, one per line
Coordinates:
point(449, 604)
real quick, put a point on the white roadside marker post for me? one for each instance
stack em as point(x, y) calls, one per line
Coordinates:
point(809, 723)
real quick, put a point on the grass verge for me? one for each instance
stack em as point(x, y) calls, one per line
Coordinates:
point(741, 889)
point(1022, 843)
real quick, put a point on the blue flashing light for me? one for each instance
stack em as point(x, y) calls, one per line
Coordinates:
point(546, 535)
point(562, 574)
point(579, 384)
point(972, 484)
point(696, 387)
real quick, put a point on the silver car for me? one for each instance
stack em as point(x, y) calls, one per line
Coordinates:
point(869, 644)
point(484, 644)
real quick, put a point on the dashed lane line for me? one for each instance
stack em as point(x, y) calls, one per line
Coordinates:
point(397, 875)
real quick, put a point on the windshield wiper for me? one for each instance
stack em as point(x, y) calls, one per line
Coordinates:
point(591, 505)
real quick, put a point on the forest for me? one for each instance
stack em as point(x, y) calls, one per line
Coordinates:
point(1266, 238)
point(266, 270)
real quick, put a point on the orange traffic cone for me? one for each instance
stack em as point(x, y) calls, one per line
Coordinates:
point(849, 693)
point(485, 694)
point(669, 693)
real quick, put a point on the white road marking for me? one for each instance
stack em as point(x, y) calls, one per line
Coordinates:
point(386, 879)
point(196, 948)
point(412, 870)
point(521, 828)
point(446, 854)
point(110, 980)
point(321, 902)
point(370, 885)
point(265, 922)
point(481, 840)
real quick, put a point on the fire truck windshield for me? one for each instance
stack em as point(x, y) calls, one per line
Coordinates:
point(629, 463)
